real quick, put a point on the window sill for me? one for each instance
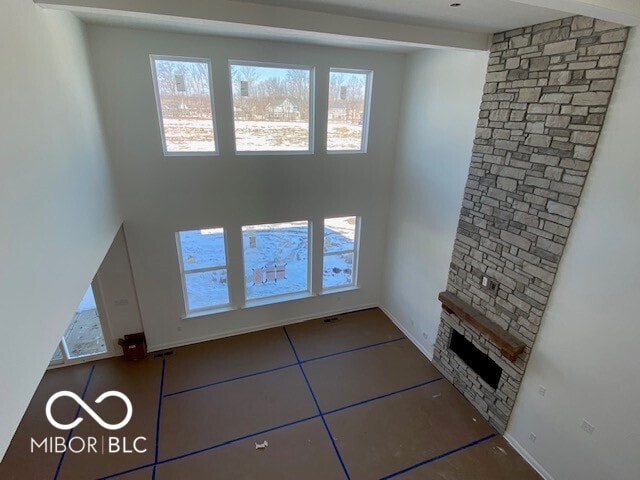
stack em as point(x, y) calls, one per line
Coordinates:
point(191, 154)
point(259, 302)
point(266, 153)
point(346, 152)
point(347, 288)
point(205, 313)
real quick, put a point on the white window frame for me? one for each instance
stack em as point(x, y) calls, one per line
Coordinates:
point(184, 273)
point(282, 297)
point(356, 255)
point(156, 90)
point(364, 141)
point(312, 103)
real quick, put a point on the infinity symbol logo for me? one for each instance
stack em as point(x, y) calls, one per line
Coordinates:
point(89, 410)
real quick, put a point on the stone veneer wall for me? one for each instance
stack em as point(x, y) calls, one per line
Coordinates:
point(545, 100)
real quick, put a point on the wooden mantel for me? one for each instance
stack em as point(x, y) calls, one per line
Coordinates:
point(509, 345)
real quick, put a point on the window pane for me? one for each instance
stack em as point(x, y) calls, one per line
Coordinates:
point(84, 336)
point(276, 259)
point(347, 110)
point(202, 248)
point(339, 234)
point(337, 270)
point(270, 108)
point(207, 289)
point(185, 105)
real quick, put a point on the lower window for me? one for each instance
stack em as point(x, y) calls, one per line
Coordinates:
point(276, 259)
point(341, 241)
point(203, 266)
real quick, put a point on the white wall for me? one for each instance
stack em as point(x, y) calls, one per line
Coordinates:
point(586, 353)
point(117, 289)
point(57, 209)
point(442, 96)
point(163, 195)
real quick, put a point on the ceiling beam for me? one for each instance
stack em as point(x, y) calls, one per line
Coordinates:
point(624, 12)
point(280, 18)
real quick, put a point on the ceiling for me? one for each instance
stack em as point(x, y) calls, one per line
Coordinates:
point(255, 32)
point(481, 16)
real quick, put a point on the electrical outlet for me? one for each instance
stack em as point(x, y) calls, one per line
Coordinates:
point(542, 390)
point(532, 437)
point(122, 302)
point(425, 335)
point(587, 427)
point(489, 284)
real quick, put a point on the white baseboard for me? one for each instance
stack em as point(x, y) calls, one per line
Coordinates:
point(250, 329)
point(527, 456)
point(407, 334)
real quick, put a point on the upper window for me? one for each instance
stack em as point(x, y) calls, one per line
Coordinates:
point(272, 107)
point(185, 106)
point(276, 259)
point(348, 115)
point(203, 265)
point(340, 264)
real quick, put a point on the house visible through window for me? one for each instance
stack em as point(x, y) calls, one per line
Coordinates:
point(185, 107)
point(203, 265)
point(272, 107)
point(276, 259)
point(348, 115)
point(341, 239)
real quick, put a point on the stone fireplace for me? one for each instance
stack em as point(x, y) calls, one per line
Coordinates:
point(545, 100)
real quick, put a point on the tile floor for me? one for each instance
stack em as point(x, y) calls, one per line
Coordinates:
point(351, 399)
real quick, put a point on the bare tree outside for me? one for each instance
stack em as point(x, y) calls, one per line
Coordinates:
point(347, 103)
point(185, 104)
point(271, 108)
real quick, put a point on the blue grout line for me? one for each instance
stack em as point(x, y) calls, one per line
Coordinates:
point(319, 415)
point(238, 439)
point(329, 412)
point(333, 442)
point(229, 380)
point(84, 392)
point(207, 385)
point(352, 350)
point(441, 456)
point(125, 472)
point(153, 475)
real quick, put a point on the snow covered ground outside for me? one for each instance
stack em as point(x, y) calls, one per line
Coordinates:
point(204, 249)
point(254, 136)
point(344, 136)
point(84, 335)
point(339, 238)
point(196, 135)
point(189, 135)
point(282, 246)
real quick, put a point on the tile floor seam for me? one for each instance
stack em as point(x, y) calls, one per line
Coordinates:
point(313, 359)
point(379, 397)
point(278, 427)
point(153, 475)
point(326, 426)
point(439, 457)
point(241, 377)
point(84, 392)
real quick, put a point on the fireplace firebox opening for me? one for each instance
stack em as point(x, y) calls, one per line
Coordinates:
point(479, 362)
